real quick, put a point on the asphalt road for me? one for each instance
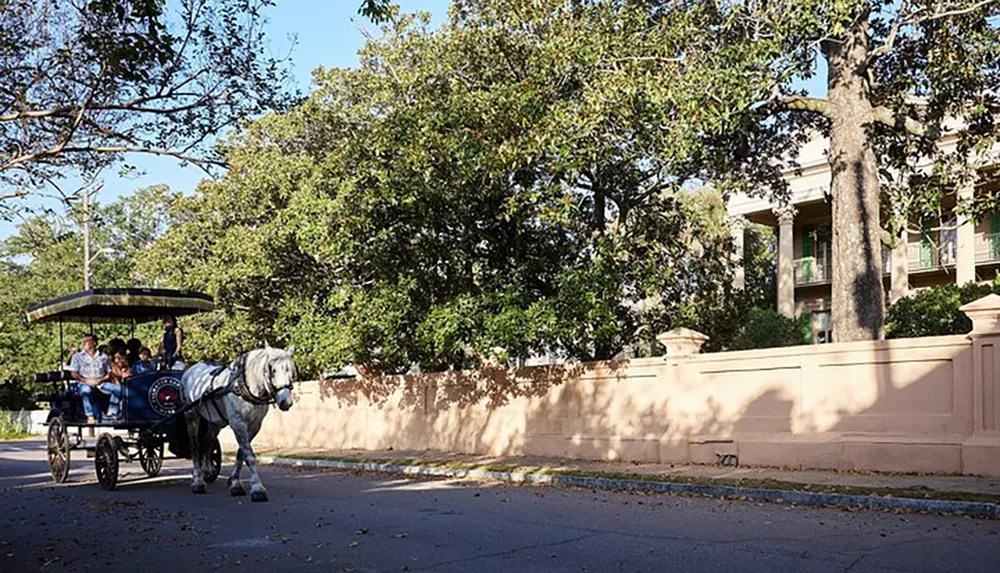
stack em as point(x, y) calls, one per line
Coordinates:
point(332, 521)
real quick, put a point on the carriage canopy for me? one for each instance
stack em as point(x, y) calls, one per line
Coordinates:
point(122, 305)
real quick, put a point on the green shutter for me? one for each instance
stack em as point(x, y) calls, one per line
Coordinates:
point(926, 251)
point(807, 256)
point(994, 238)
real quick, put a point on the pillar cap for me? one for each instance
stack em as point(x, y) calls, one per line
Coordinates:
point(985, 315)
point(681, 342)
point(785, 214)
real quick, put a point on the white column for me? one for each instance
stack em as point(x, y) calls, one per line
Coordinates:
point(965, 264)
point(786, 254)
point(899, 282)
point(738, 225)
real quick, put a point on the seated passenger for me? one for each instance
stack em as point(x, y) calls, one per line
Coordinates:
point(132, 347)
point(145, 363)
point(117, 346)
point(120, 370)
point(92, 370)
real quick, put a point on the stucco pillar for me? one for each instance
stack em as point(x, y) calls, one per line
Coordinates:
point(738, 225)
point(981, 452)
point(900, 271)
point(786, 254)
point(965, 255)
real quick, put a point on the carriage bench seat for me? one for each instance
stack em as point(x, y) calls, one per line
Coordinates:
point(52, 376)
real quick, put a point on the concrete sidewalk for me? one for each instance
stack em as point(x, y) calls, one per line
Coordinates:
point(968, 488)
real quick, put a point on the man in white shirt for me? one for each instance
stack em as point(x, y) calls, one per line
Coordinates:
point(92, 369)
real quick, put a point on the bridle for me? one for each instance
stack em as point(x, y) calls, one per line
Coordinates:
point(239, 386)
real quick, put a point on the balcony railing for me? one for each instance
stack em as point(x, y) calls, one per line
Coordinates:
point(988, 248)
point(812, 270)
point(922, 257)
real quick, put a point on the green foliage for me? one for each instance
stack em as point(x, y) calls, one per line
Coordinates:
point(15, 396)
point(87, 82)
point(917, 64)
point(766, 328)
point(377, 10)
point(44, 260)
point(11, 427)
point(934, 311)
point(515, 183)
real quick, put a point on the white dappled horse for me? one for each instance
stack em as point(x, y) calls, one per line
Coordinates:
point(238, 395)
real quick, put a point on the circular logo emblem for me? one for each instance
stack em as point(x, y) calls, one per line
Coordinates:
point(165, 396)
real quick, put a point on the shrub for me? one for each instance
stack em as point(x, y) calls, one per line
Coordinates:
point(15, 396)
point(934, 311)
point(11, 425)
point(765, 328)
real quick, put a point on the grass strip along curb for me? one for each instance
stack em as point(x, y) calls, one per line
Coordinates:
point(980, 509)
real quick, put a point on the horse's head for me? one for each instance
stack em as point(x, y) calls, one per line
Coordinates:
point(280, 376)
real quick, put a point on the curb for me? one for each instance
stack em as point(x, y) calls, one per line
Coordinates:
point(978, 509)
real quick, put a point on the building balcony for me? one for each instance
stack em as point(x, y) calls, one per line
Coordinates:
point(921, 257)
point(812, 271)
point(987, 248)
point(924, 257)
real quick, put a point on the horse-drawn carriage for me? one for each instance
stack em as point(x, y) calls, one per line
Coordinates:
point(151, 403)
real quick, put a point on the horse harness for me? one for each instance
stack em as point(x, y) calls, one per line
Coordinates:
point(238, 385)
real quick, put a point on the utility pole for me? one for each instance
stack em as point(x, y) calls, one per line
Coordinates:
point(86, 239)
point(88, 190)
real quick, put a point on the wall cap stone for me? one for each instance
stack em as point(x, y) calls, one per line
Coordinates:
point(681, 342)
point(984, 314)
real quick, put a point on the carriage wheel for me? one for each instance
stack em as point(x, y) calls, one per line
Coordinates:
point(106, 462)
point(58, 450)
point(214, 462)
point(151, 456)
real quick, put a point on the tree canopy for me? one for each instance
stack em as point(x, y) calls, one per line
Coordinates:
point(44, 260)
point(911, 112)
point(515, 183)
point(86, 82)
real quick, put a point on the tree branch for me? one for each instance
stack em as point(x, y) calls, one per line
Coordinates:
point(165, 152)
point(805, 103)
point(914, 19)
point(885, 116)
point(955, 12)
point(14, 195)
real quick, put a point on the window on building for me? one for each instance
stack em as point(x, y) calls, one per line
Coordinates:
point(948, 243)
point(823, 326)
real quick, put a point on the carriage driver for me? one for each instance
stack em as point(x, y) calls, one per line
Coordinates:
point(92, 369)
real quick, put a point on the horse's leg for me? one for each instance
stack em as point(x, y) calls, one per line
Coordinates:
point(235, 485)
point(241, 429)
point(193, 419)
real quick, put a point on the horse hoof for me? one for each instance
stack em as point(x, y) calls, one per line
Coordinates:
point(258, 496)
point(198, 488)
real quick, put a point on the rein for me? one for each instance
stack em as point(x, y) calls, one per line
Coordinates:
point(238, 384)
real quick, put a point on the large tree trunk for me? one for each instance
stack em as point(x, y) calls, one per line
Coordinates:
point(858, 305)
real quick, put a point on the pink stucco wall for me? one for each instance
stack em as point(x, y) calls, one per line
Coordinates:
point(914, 405)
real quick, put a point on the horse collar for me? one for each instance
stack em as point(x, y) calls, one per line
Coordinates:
point(238, 381)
